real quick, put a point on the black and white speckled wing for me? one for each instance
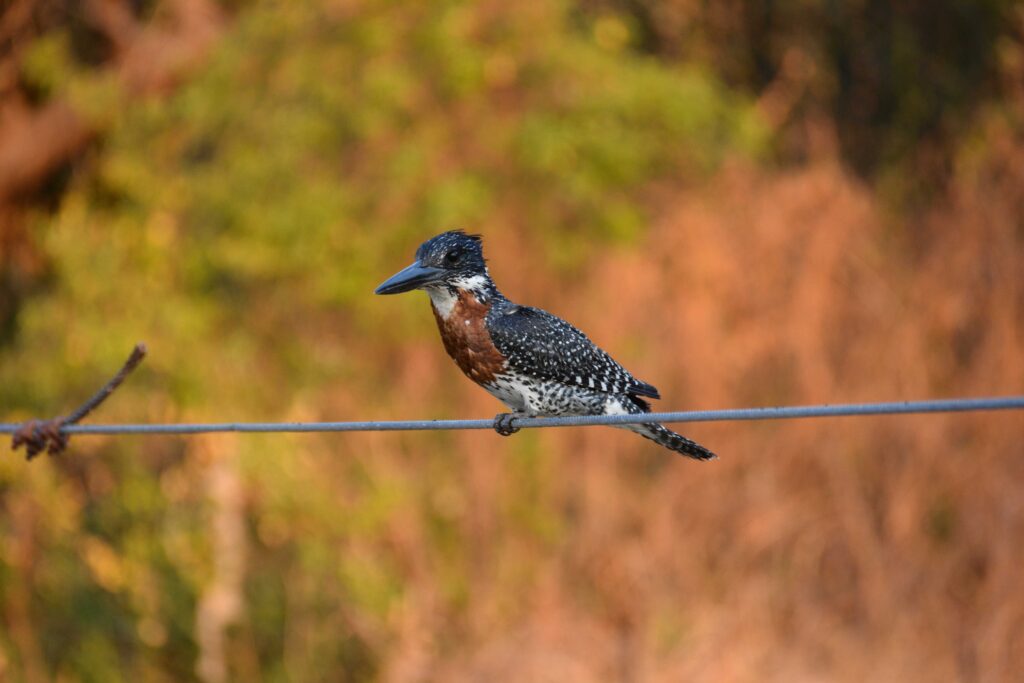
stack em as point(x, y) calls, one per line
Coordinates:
point(542, 345)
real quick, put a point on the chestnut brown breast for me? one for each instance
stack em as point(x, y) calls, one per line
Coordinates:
point(467, 341)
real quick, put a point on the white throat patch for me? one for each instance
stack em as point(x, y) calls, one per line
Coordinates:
point(443, 298)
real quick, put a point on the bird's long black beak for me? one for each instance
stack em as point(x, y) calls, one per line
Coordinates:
point(409, 278)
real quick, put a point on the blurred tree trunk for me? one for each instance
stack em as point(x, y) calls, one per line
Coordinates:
point(221, 602)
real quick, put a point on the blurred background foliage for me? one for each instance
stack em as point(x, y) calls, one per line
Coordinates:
point(747, 202)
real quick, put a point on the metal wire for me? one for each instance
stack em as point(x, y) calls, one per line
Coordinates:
point(952, 405)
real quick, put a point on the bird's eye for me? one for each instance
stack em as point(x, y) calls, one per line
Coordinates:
point(452, 258)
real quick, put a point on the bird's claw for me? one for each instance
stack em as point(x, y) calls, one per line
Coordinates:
point(504, 424)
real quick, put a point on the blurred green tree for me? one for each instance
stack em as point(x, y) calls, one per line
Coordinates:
point(238, 226)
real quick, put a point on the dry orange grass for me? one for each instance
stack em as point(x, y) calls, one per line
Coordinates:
point(883, 548)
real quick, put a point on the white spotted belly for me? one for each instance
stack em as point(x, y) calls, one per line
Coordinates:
point(545, 398)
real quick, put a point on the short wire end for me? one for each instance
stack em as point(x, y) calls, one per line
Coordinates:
point(39, 435)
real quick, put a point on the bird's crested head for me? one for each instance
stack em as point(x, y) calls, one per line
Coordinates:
point(452, 259)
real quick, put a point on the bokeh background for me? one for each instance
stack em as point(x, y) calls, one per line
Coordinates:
point(749, 203)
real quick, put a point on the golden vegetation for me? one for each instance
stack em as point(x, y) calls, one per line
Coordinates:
point(239, 221)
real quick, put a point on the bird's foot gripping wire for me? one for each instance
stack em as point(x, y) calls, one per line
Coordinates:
point(504, 424)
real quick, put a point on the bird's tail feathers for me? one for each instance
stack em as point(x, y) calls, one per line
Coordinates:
point(662, 435)
point(672, 441)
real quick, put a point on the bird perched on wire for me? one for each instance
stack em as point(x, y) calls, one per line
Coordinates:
point(534, 362)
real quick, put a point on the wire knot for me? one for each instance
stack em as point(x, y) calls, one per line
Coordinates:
point(48, 435)
point(40, 435)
